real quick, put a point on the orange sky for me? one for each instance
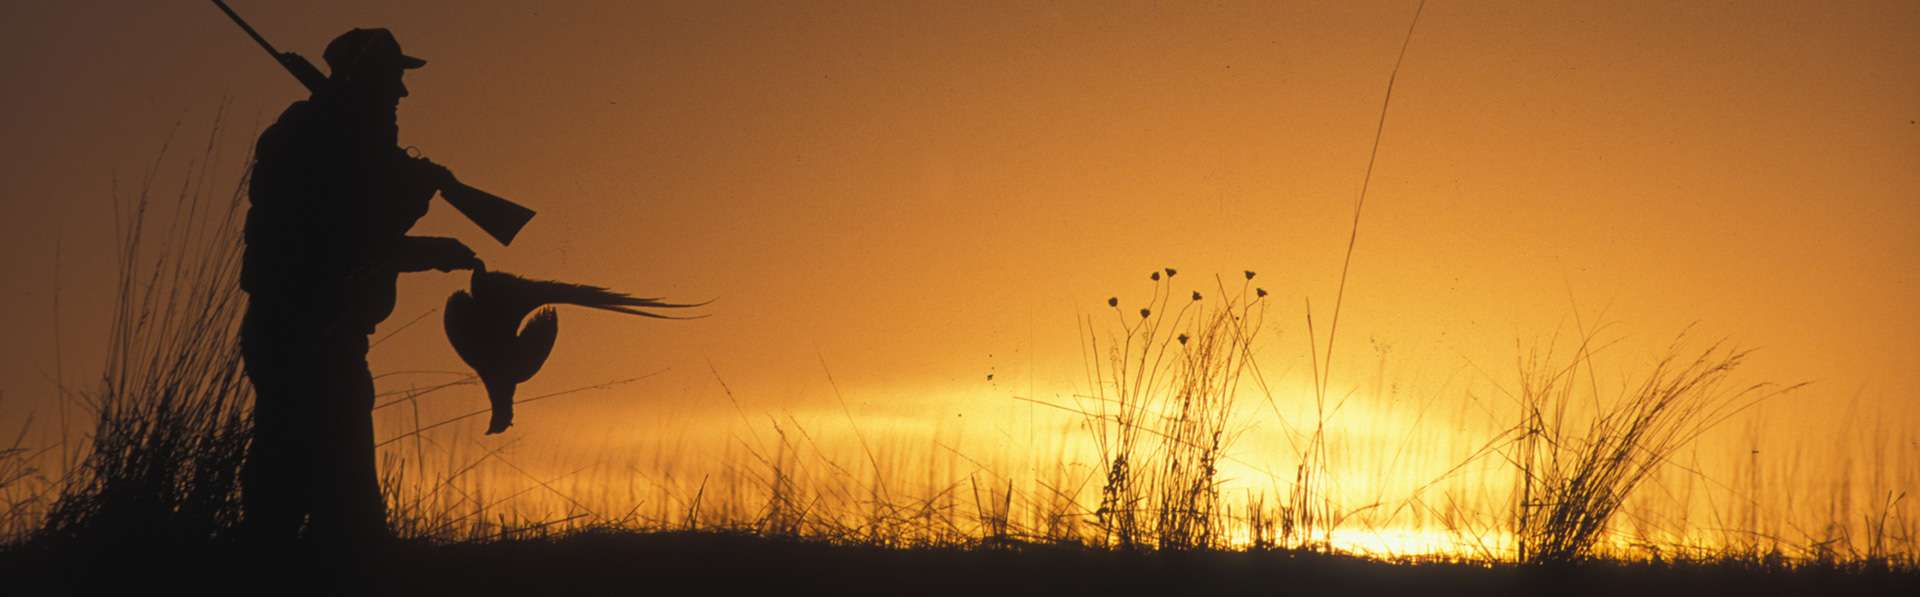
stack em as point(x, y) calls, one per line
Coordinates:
point(922, 195)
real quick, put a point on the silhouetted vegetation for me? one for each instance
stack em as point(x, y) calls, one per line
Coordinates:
point(1163, 394)
point(1574, 478)
point(155, 493)
point(171, 405)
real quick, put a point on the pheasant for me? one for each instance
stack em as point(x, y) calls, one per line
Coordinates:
point(485, 328)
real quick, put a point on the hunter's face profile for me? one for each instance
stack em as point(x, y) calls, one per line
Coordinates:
point(369, 66)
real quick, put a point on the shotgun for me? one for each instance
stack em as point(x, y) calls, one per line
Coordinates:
point(500, 218)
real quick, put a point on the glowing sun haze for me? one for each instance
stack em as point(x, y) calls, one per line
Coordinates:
point(919, 203)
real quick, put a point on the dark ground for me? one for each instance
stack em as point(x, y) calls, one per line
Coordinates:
point(718, 564)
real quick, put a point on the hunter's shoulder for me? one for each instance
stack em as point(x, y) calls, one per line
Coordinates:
point(298, 115)
point(302, 123)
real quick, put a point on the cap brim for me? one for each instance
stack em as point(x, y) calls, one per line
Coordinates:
point(411, 62)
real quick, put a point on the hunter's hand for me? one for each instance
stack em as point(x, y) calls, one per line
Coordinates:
point(451, 254)
point(439, 176)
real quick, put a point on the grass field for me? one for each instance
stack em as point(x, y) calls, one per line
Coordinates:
point(1181, 469)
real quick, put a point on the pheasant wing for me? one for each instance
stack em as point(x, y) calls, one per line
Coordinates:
point(533, 345)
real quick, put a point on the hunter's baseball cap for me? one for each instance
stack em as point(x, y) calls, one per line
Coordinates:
point(361, 48)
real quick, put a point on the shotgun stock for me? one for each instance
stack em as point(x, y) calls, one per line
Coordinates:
point(502, 219)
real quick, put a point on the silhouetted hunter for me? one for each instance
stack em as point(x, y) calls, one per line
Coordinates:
point(332, 197)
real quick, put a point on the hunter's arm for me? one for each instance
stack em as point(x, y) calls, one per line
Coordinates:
point(416, 180)
point(422, 253)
